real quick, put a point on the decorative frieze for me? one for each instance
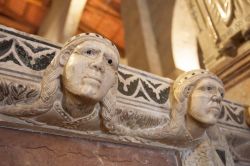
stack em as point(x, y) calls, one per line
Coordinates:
point(84, 91)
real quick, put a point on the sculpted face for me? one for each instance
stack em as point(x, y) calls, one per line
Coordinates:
point(205, 101)
point(91, 70)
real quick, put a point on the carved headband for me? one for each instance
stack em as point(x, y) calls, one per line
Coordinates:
point(80, 38)
point(183, 82)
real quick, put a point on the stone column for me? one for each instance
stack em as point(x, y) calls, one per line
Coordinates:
point(148, 35)
point(62, 20)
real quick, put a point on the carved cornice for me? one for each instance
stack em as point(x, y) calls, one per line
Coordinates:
point(142, 98)
point(233, 70)
point(148, 92)
point(224, 37)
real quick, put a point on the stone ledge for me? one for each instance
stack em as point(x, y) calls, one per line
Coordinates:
point(26, 148)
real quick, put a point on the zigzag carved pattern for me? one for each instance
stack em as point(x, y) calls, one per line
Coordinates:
point(129, 85)
point(24, 54)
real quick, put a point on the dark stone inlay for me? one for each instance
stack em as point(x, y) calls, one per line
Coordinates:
point(141, 94)
point(10, 58)
point(29, 38)
point(237, 118)
point(42, 62)
point(5, 46)
point(131, 87)
point(36, 64)
point(231, 115)
point(222, 156)
point(35, 50)
point(23, 55)
point(163, 93)
point(154, 85)
point(124, 75)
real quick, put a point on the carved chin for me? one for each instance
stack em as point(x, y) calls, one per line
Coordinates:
point(89, 91)
point(210, 120)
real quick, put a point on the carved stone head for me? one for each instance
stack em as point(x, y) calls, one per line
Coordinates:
point(91, 68)
point(87, 64)
point(201, 93)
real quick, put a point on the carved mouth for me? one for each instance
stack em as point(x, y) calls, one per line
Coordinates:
point(92, 78)
point(215, 110)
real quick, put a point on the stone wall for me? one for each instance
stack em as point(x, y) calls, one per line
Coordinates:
point(28, 149)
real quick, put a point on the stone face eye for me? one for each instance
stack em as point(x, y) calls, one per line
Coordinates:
point(90, 52)
point(222, 95)
point(110, 61)
point(209, 88)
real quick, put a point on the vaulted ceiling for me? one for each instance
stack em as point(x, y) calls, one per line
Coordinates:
point(101, 16)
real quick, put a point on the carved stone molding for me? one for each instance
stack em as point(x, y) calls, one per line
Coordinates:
point(224, 27)
point(233, 114)
point(143, 90)
point(26, 51)
point(135, 103)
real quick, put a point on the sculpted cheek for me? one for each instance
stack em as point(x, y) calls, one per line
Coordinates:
point(70, 70)
point(110, 76)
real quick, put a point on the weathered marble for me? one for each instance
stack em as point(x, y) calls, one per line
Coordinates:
point(196, 104)
point(139, 103)
point(20, 148)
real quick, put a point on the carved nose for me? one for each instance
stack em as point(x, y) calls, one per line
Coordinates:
point(97, 64)
point(217, 98)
